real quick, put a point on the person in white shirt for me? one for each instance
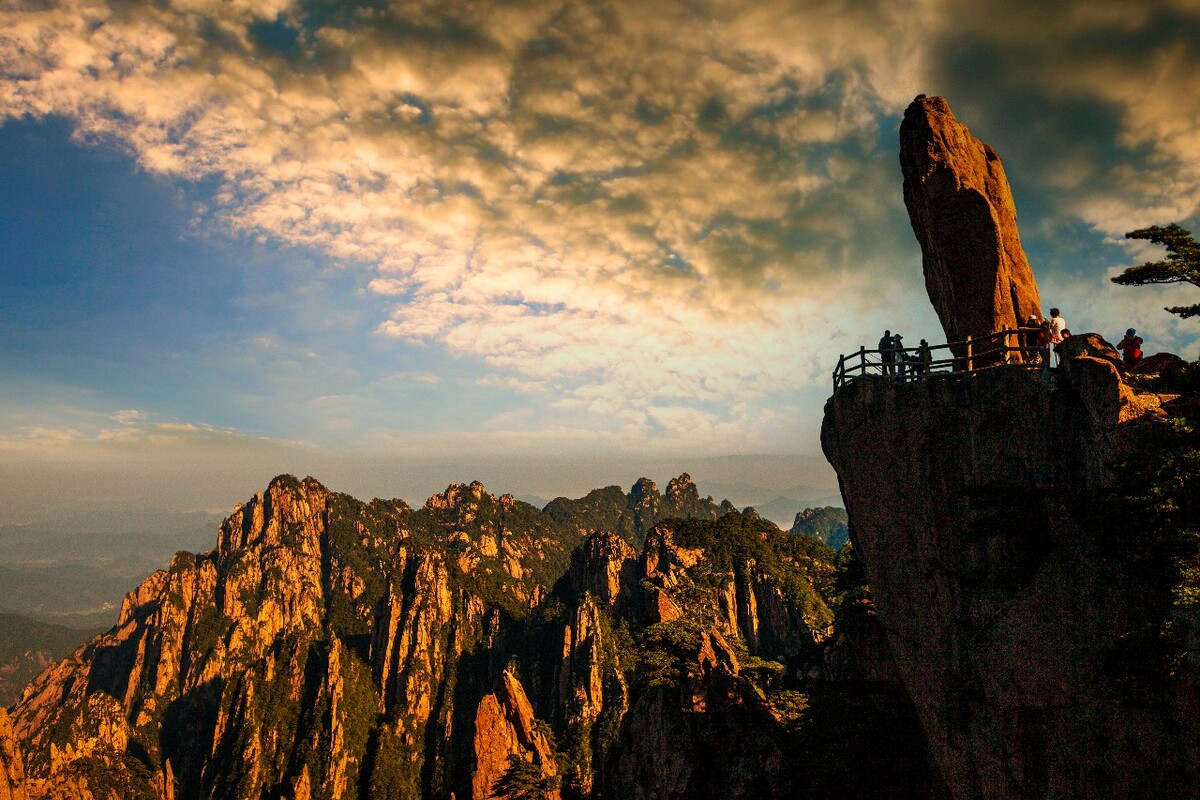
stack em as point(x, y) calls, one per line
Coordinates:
point(1057, 326)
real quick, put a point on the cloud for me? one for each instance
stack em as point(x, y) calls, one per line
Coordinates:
point(1107, 93)
point(548, 187)
point(611, 207)
point(83, 431)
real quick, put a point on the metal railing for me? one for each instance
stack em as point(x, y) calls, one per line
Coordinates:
point(1013, 346)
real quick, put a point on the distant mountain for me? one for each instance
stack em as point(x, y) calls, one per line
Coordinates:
point(780, 506)
point(829, 524)
point(74, 595)
point(75, 570)
point(27, 647)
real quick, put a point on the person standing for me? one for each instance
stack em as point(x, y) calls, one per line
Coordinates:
point(899, 355)
point(924, 358)
point(887, 352)
point(1131, 347)
point(1057, 326)
point(1030, 333)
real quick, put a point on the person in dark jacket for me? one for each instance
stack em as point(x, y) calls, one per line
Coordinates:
point(887, 353)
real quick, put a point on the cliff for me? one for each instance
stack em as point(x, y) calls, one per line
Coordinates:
point(1030, 543)
point(474, 648)
point(12, 768)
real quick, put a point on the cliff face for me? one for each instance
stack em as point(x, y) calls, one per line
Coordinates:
point(471, 648)
point(962, 212)
point(1042, 627)
point(12, 769)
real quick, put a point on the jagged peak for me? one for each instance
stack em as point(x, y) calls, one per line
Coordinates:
point(289, 484)
point(460, 494)
point(642, 489)
point(682, 489)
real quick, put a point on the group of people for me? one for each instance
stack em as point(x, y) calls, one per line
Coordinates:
point(1037, 338)
point(896, 359)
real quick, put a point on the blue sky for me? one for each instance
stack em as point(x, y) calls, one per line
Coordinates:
point(547, 245)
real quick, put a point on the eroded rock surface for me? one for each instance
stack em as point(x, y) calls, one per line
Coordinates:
point(962, 212)
point(12, 767)
point(1016, 612)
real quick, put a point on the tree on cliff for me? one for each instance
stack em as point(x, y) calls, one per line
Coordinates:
point(523, 780)
point(1182, 264)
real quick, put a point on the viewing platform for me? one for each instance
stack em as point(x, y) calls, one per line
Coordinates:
point(1009, 347)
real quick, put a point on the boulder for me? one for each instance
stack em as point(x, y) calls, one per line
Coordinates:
point(963, 215)
point(1159, 363)
point(1091, 345)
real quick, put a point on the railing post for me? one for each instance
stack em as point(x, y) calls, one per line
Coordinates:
point(970, 362)
point(862, 359)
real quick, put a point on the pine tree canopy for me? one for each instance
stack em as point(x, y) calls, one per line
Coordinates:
point(1182, 264)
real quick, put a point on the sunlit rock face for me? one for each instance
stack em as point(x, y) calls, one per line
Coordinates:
point(473, 648)
point(962, 213)
point(1022, 600)
point(12, 770)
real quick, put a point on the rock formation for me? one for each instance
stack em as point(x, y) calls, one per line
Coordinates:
point(12, 768)
point(505, 729)
point(962, 213)
point(329, 648)
point(1028, 582)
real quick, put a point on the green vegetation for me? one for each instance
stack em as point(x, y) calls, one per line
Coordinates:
point(600, 510)
point(801, 566)
point(1182, 264)
point(523, 780)
point(666, 652)
point(113, 775)
point(1150, 524)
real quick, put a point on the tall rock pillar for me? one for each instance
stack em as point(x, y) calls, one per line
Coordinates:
point(962, 212)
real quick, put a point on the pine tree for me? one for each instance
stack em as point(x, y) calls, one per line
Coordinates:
point(1182, 264)
point(523, 780)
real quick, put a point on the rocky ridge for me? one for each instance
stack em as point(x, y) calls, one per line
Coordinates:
point(330, 648)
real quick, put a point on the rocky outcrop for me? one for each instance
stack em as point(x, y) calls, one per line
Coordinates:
point(604, 567)
point(1160, 363)
point(505, 730)
point(962, 212)
point(12, 767)
point(1014, 589)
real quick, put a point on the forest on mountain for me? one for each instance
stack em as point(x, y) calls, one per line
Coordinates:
point(607, 646)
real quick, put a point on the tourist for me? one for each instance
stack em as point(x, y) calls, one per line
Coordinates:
point(899, 355)
point(1131, 347)
point(1030, 335)
point(887, 353)
point(1057, 326)
point(924, 358)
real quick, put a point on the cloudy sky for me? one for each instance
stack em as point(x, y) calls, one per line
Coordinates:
point(551, 245)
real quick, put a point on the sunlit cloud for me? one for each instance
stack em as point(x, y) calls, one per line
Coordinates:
point(83, 431)
point(551, 188)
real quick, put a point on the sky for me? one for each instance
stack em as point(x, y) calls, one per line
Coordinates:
point(547, 245)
